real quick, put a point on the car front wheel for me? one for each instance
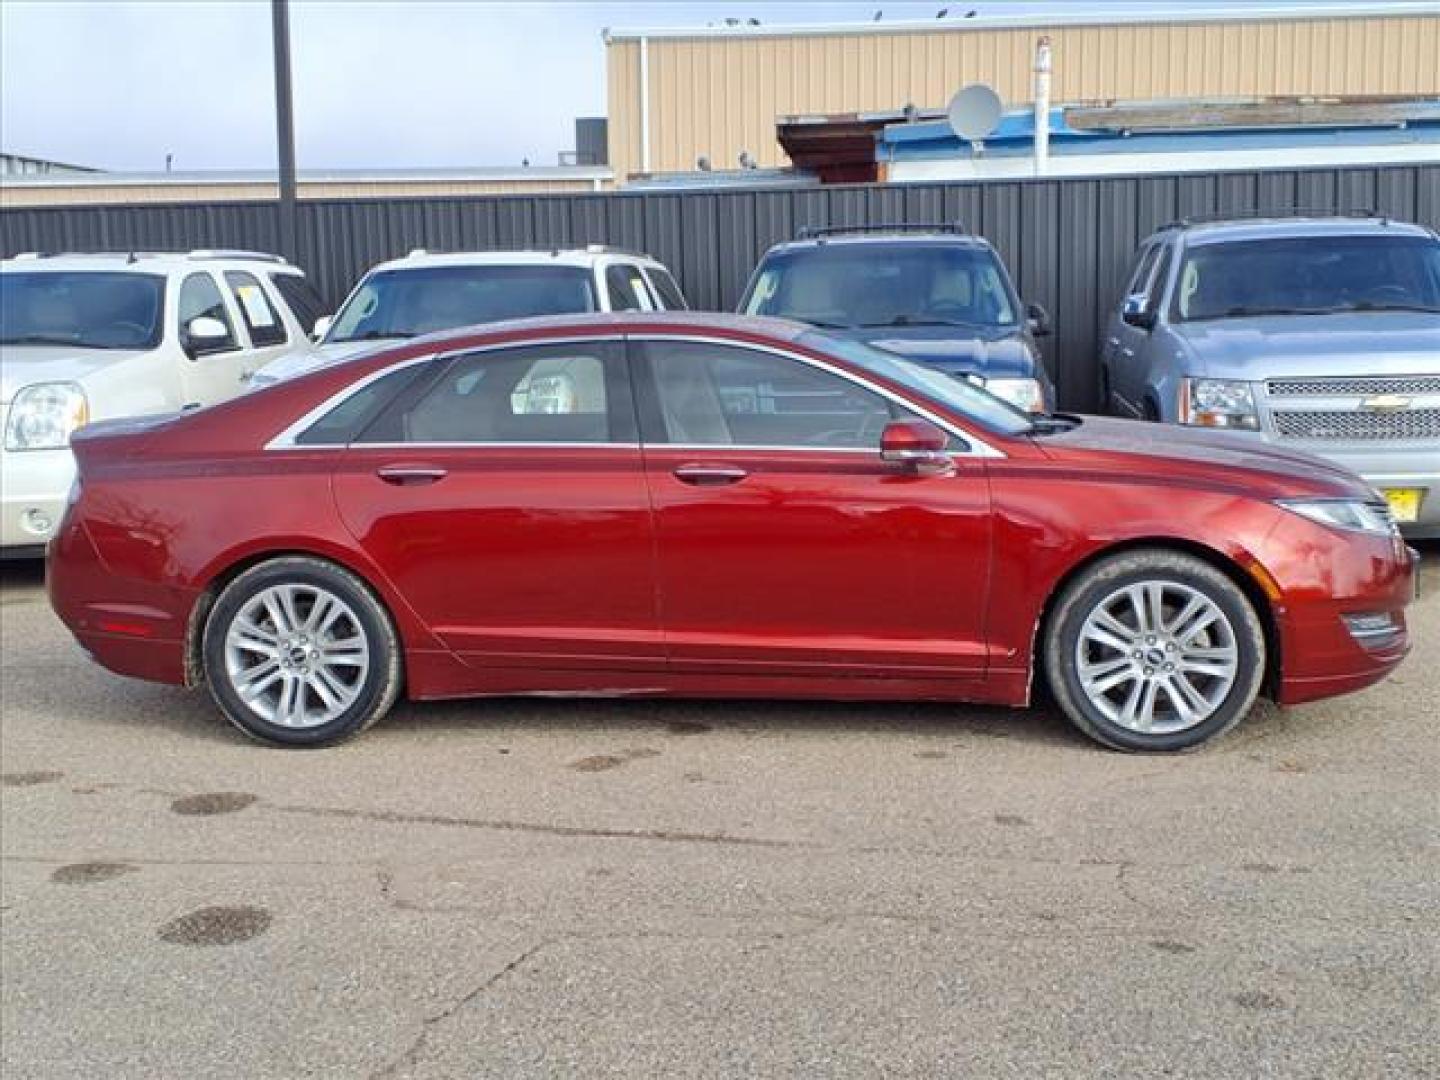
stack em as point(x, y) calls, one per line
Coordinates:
point(1154, 650)
point(299, 652)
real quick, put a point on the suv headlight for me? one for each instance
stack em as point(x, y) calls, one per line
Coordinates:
point(43, 416)
point(1027, 395)
point(1355, 514)
point(1218, 403)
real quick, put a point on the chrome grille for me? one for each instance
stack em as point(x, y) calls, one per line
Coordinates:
point(1358, 426)
point(1366, 385)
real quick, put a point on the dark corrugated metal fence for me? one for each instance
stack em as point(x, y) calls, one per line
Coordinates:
point(1067, 242)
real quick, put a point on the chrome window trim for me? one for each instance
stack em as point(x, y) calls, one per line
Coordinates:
point(285, 440)
point(978, 447)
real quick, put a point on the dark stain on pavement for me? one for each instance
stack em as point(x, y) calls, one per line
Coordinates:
point(86, 873)
point(1261, 868)
point(931, 755)
point(1257, 999)
point(30, 779)
point(1010, 819)
point(216, 926)
point(1174, 948)
point(602, 762)
point(687, 727)
point(215, 802)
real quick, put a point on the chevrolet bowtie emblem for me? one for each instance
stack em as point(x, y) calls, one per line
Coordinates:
point(1386, 403)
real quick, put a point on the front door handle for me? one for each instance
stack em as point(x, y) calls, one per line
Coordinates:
point(710, 475)
point(402, 475)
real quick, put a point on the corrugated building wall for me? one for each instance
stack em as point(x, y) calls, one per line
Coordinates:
point(717, 92)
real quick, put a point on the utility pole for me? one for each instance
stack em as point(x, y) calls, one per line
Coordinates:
point(284, 125)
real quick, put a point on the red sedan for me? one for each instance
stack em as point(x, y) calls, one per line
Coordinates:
point(718, 507)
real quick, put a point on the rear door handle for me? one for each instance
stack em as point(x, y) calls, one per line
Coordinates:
point(410, 474)
point(710, 475)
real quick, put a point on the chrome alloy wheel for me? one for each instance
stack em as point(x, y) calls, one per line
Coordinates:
point(296, 655)
point(1157, 657)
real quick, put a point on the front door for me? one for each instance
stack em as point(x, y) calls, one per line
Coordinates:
point(786, 547)
point(506, 501)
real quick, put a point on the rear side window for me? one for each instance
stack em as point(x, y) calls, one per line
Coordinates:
point(304, 301)
point(664, 285)
point(574, 393)
point(627, 288)
point(347, 420)
point(260, 318)
point(200, 298)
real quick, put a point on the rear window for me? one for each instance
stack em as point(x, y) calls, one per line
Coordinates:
point(669, 292)
point(304, 301)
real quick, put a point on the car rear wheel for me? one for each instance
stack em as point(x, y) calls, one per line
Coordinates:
point(1154, 650)
point(299, 652)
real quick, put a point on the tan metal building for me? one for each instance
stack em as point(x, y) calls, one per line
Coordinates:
point(677, 95)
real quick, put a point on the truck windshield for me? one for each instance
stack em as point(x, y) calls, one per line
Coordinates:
point(1308, 276)
point(421, 300)
point(868, 285)
point(81, 309)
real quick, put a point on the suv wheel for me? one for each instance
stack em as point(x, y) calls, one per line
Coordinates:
point(1154, 650)
point(299, 652)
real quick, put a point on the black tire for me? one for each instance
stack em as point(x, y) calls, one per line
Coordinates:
point(1183, 575)
point(374, 692)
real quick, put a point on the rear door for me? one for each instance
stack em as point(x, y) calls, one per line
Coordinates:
point(505, 499)
point(786, 547)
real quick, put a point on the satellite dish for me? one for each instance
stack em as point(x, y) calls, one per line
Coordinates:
point(974, 112)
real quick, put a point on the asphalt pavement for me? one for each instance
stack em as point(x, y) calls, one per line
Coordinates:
point(542, 888)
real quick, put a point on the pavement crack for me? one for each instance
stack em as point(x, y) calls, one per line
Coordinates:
point(412, 1053)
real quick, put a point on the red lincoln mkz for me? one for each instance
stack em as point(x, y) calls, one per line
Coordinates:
point(716, 507)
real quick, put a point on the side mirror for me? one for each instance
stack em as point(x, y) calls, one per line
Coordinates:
point(1038, 320)
point(322, 326)
point(916, 444)
point(204, 334)
point(1135, 312)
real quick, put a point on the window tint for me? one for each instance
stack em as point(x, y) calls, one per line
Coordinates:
point(626, 287)
point(304, 301)
point(1155, 291)
point(718, 395)
point(669, 292)
point(1141, 273)
point(557, 393)
point(260, 318)
point(200, 298)
point(347, 420)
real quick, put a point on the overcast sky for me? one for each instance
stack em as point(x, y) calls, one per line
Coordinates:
point(119, 84)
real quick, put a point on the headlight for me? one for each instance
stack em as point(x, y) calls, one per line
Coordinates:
point(1345, 514)
point(45, 415)
point(1218, 403)
point(1027, 395)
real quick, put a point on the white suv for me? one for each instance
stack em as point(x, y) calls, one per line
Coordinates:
point(427, 291)
point(97, 336)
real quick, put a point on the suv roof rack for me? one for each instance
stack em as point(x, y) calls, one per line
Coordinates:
point(1274, 212)
point(134, 255)
point(236, 253)
point(819, 232)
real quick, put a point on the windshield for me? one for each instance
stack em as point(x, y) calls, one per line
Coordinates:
point(89, 310)
point(404, 303)
point(867, 285)
point(1308, 275)
point(928, 384)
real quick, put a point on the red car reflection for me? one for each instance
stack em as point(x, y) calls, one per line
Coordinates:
point(718, 507)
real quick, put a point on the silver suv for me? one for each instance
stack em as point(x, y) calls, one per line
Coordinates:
point(1318, 334)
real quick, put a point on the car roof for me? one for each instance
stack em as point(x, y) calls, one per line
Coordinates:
point(1235, 229)
point(148, 262)
point(881, 239)
point(584, 258)
point(676, 323)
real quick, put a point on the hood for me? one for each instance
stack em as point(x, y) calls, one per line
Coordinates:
point(299, 363)
point(1342, 343)
point(1173, 449)
point(21, 365)
point(990, 352)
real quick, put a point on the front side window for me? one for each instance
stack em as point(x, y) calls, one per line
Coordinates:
point(1308, 275)
point(304, 301)
point(82, 309)
point(538, 394)
point(723, 395)
point(200, 299)
point(871, 285)
point(255, 308)
point(669, 292)
point(403, 303)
